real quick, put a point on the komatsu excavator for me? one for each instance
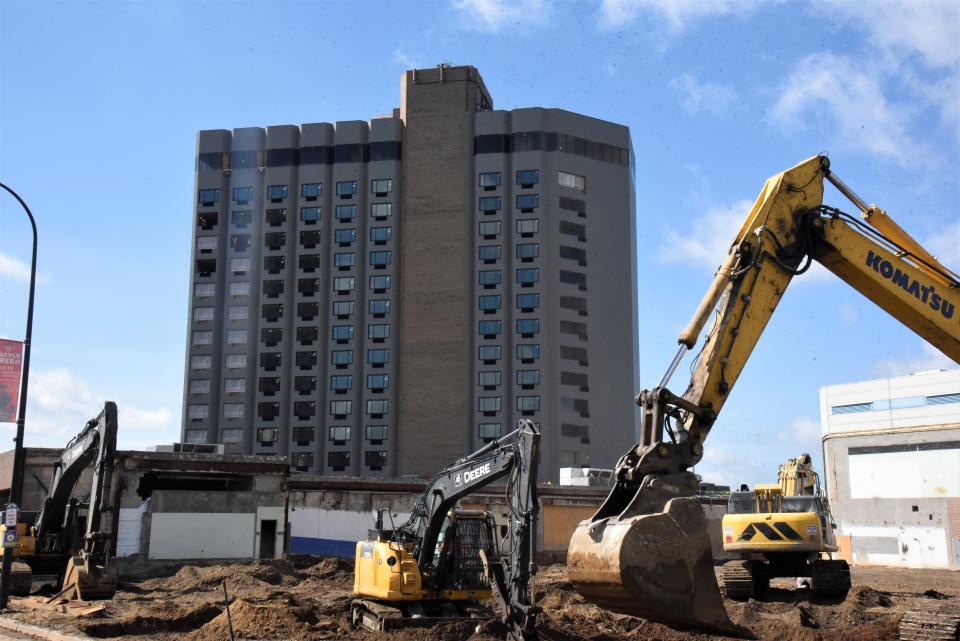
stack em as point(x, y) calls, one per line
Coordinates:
point(440, 563)
point(782, 529)
point(59, 542)
point(646, 551)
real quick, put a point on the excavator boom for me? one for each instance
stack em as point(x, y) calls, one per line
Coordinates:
point(646, 552)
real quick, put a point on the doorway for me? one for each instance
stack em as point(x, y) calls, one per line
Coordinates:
point(268, 539)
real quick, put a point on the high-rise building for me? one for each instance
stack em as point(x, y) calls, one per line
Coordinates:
point(379, 298)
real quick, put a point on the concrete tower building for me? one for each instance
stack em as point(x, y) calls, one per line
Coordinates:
point(379, 298)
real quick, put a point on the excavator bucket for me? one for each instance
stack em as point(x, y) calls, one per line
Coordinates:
point(87, 581)
point(658, 566)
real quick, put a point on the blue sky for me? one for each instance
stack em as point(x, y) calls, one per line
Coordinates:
point(100, 103)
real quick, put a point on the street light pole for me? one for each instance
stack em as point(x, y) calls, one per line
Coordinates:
point(16, 478)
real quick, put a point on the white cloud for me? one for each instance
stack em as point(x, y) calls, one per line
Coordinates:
point(945, 245)
point(925, 28)
point(803, 432)
point(14, 269)
point(59, 403)
point(841, 100)
point(927, 357)
point(676, 13)
point(494, 15)
point(402, 57)
point(699, 96)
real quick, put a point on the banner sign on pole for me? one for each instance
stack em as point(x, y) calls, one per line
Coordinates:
point(11, 366)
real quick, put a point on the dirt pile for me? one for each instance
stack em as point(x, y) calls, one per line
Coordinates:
point(284, 620)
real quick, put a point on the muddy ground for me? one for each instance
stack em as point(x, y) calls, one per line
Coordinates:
point(307, 600)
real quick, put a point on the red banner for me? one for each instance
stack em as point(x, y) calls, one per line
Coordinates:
point(11, 365)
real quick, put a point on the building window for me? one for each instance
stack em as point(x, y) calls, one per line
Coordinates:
point(528, 226)
point(381, 234)
point(206, 244)
point(527, 277)
point(338, 461)
point(303, 436)
point(267, 435)
point(342, 333)
point(269, 385)
point(346, 236)
point(240, 242)
point(378, 407)
point(241, 218)
point(489, 353)
point(345, 260)
point(302, 461)
point(380, 259)
point(206, 267)
point(271, 336)
point(272, 288)
point(204, 290)
point(528, 353)
point(341, 383)
point(375, 460)
point(271, 313)
point(198, 412)
point(341, 408)
point(528, 327)
point(207, 220)
point(376, 434)
point(239, 265)
point(490, 228)
point(528, 377)
point(488, 380)
point(306, 360)
point(489, 253)
point(341, 357)
point(202, 314)
point(528, 302)
point(235, 361)
point(232, 410)
point(344, 284)
point(277, 193)
point(200, 386)
point(347, 188)
point(490, 180)
point(942, 399)
point(270, 361)
point(275, 240)
point(378, 332)
point(488, 431)
point(310, 215)
point(381, 186)
point(343, 309)
point(489, 204)
point(490, 328)
point(346, 213)
point(490, 277)
point(378, 382)
point(379, 307)
point(240, 289)
point(311, 191)
point(381, 210)
point(234, 385)
point(309, 262)
point(339, 434)
point(308, 311)
point(201, 338)
point(488, 404)
point(489, 304)
point(528, 404)
point(307, 335)
point(378, 357)
point(242, 195)
point(304, 385)
point(379, 284)
point(208, 197)
point(528, 251)
point(527, 178)
point(201, 362)
point(238, 312)
point(573, 181)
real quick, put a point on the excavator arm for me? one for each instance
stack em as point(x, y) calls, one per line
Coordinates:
point(645, 552)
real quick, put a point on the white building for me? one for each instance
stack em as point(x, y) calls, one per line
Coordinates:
point(891, 451)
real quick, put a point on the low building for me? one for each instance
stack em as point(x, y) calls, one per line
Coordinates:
point(891, 450)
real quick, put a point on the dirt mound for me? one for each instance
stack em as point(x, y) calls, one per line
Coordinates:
point(283, 620)
point(331, 569)
point(154, 618)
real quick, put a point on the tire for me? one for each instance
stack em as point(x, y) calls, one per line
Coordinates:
point(830, 579)
point(736, 580)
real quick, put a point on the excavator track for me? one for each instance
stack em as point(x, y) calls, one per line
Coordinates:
point(931, 622)
point(830, 578)
point(379, 616)
point(736, 580)
point(21, 579)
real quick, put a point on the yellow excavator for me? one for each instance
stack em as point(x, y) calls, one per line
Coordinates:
point(646, 551)
point(782, 529)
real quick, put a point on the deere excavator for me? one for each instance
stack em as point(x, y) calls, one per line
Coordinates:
point(782, 529)
point(59, 542)
point(646, 551)
point(443, 561)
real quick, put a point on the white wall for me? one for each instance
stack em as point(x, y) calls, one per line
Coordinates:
point(918, 547)
point(894, 475)
point(129, 528)
point(202, 535)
